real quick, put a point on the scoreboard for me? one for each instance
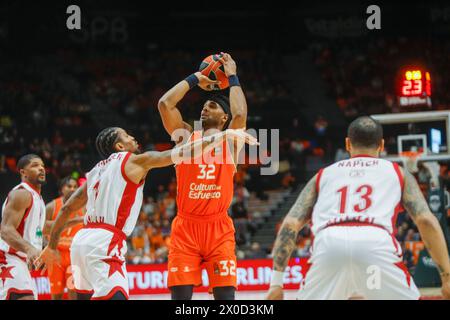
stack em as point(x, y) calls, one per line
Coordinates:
point(414, 87)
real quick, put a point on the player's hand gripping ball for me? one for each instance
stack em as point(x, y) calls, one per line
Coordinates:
point(214, 70)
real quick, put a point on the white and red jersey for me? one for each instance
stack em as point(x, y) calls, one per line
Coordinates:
point(113, 198)
point(361, 189)
point(32, 223)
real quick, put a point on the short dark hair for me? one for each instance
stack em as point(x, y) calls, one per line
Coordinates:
point(25, 160)
point(105, 141)
point(365, 132)
point(65, 181)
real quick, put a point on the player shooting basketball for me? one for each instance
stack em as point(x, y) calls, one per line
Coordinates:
point(113, 196)
point(202, 232)
point(353, 206)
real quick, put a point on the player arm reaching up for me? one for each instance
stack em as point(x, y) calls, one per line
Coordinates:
point(167, 105)
point(238, 103)
point(18, 202)
point(136, 168)
point(429, 228)
point(286, 240)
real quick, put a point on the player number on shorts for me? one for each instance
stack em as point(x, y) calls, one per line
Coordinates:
point(363, 193)
point(206, 171)
point(228, 270)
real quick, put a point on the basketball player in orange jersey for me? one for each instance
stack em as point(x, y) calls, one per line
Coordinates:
point(113, 196)
point(202, 232)
point(61, 273)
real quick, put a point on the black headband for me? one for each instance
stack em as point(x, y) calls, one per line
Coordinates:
point(223, 102)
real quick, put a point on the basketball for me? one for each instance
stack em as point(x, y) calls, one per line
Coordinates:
point(213, 69)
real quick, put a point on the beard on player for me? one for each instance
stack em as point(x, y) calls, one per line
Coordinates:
point(35, 176)
point(213, 116)
point(32, 169)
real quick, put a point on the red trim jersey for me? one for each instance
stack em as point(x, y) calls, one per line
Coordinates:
point(205, 186)
point(112, 197)
point(32, 224)
point(360, 189)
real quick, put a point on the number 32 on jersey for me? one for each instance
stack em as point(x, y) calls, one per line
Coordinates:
point(207, 171)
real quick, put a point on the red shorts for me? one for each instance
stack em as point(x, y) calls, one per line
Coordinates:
point(61, 274)
point(207, 242)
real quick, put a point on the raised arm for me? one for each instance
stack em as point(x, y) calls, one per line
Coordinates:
point(18, 202)
point(167, 105)
point(429, 228)
point(238, 103)
point(286, 240)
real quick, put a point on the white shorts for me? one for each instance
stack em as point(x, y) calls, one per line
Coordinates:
point(357, 261)
point(98, 263)
point(15, 277)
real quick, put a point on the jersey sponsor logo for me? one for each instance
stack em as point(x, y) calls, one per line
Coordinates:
point(357, 173)
point(204, 191)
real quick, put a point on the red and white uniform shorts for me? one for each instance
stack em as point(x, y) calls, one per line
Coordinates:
point(98, 261)
point(357, 261)
point(15, 277)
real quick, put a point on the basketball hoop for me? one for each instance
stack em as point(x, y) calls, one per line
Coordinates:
point(410, 159)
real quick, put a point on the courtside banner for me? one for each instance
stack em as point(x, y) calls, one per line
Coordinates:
point(252, 275)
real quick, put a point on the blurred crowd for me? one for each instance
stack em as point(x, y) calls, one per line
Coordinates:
point(55, 105)
point(360, 73)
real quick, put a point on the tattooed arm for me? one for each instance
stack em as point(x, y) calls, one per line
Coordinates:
point(298, 216)
point(429, 228)
point(286, 241)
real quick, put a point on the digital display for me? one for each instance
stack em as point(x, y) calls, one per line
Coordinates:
point(414, 87)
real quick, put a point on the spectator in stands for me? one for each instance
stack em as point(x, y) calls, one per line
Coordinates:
point(255, 252)
point(140, 246)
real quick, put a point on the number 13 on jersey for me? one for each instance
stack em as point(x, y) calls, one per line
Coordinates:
point(359, 199)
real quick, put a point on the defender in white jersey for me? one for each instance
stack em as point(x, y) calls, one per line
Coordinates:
point(22, 221)
point(113, 198)
point(352, 206)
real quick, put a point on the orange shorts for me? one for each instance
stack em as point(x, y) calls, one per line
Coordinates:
point(202, 242)
point(60, 275)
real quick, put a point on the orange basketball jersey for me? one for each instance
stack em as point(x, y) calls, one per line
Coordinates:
point(67, 235)
point(205, 186)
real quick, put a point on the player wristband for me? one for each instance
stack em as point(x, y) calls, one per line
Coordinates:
point(277, 278)
point(192, 80)
point(233, 80)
